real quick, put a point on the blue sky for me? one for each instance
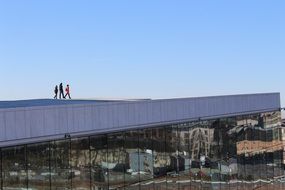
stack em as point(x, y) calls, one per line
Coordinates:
point(141, 49)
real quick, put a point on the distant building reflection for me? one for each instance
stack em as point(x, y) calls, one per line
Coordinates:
point(242, 152)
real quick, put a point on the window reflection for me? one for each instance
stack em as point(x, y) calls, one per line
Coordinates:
point(14, 173)
point(159, 158)
point(99, 167)
point(80, 163)
point(172, 163)
point(59, 163)
point(184, 160)
point(132, 175)
point(38, 166)
point(146, 159)
point(116, 161)
point(244, 152)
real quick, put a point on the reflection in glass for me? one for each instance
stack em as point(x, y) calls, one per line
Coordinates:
point(99, 167)
point(80, 163)
point(116, 161)
point(172, 157)
point(159, 158)
point(271, 121)
point(38, 166)
point(235, 153)
point(240, 146)
point(14, 173)
point(59, 164)
point(205, 140)
point(132, 176)
point(194, 151)
point(183, 157)
point(146, 159)
point(232, 132)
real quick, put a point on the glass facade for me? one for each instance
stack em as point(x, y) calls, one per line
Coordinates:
point(242, 152)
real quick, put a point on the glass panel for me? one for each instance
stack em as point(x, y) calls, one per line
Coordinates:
point(278, 151)
point(14, 167)
point(211, 163)
point(183, 156)
point(249, 155)
point(269, 151)
point(116, 160)
point(263, 166)
point(233, 131)
point(240, 123)
point(146, 159)
point(282, 179)
point(59, 164)
point(205, 139)
point(99, 167)
point(132, 176)
point(80, 163)
point(172, 156)
point(266, 150)
point(256, 151)
point(38, 166)
point(159, 158)
point(194, 153)
point(274, 147)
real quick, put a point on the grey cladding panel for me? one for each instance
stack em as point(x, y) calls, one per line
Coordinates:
point(28, 124)
point(78, 118)
point(70, 119)
point(61, 123)
point(121, 114)
point(57, 120)
point(88, 117)
point(10, 125)
point(142, 113)
point(96, 114)
point(2, 126)
point(50, 121)
point(100, 117)
point(37, 122)
point(20, 124)
point(155, 113)
point(131, 114)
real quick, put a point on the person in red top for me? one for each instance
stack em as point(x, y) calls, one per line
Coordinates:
point(67, 91)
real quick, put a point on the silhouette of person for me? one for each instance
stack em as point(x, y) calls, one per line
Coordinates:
point(61, 91)
point(55, 92)
point(67, 90)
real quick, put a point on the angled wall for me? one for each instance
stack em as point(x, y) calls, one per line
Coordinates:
point(37, 123)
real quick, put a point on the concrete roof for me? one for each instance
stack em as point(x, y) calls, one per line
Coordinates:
point(38, 120)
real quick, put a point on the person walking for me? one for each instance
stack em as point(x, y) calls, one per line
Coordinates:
point(67, 91)
point(61, 91)
point(55, 92)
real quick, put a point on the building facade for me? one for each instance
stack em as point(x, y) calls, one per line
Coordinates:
point(224, 142)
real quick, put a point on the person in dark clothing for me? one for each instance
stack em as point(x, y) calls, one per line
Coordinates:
point(61, 91)
point(67, 91)
point(55, 92)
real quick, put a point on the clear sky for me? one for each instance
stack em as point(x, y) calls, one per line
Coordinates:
point(141, 49)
